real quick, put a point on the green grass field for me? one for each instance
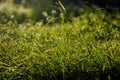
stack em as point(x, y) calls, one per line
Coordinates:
point(89, 50)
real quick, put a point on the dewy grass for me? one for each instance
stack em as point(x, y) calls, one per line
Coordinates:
point(32, 52)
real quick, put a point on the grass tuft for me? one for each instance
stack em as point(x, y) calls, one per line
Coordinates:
point(88, 51)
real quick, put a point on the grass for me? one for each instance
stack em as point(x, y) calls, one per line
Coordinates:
point(15, 9)
point(88, 51)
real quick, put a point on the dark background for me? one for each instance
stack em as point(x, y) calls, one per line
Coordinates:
point(39, 6)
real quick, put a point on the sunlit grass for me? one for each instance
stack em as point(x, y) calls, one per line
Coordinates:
point(59, 51)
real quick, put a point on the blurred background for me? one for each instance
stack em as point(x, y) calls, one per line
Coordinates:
point(43, 10)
